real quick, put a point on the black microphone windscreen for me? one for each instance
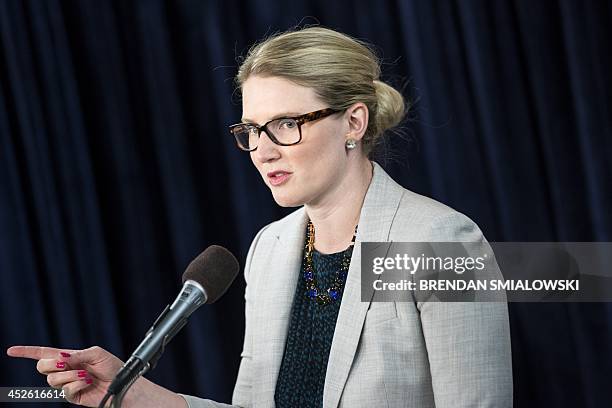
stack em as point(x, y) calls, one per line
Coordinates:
point(215, 269)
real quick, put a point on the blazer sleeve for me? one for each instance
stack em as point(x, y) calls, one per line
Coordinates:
point(468, 343)
point(242, 396)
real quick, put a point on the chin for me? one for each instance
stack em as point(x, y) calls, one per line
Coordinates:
point(285, 201)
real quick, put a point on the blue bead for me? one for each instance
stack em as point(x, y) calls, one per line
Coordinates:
point(342, 275)
point(333, 294)
point(308, 276)
point(312, 293)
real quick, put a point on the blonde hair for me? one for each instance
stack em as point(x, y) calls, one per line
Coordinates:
point(340, 69)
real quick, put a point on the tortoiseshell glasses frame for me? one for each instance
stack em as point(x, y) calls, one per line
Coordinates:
point(242, 132)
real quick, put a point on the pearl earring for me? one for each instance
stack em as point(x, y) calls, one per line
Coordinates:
point(350, 144)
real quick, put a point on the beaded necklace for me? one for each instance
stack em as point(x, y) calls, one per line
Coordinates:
point(334, 292)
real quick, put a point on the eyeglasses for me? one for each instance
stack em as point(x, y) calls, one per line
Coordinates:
point(282, 131)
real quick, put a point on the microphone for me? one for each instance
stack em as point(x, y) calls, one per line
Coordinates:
point(205, 280)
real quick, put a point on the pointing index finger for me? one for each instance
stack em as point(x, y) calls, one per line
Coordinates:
point(33, 352)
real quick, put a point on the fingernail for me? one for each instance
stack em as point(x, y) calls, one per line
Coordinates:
point(60, 364)
point(88, 381)
point(82, 373)
point(65, 355)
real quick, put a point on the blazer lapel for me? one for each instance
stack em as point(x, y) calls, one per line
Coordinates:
point(278, 281)
point(379, 208)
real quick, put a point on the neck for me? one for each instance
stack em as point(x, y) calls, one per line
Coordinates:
point(336, 215)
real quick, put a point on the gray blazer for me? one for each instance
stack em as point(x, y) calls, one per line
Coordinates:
point(383, 354)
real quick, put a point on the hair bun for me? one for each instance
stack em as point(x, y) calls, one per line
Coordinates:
point(391, 107)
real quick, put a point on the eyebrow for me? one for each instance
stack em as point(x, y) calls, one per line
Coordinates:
point(281, 115)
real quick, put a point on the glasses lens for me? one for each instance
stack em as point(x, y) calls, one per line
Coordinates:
point(246, 136)
point(286, 131)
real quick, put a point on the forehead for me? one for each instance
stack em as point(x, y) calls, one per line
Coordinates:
point(267, 97)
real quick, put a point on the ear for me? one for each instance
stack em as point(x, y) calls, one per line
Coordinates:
point(357, 118)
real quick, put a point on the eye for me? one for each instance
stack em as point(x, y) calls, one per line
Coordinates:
point(287, 124)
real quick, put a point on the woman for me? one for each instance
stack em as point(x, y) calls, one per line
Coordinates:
point(313, 110)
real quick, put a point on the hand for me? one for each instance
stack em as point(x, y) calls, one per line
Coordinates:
point(84, 375)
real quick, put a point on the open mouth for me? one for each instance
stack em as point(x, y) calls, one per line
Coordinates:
point(278, 177)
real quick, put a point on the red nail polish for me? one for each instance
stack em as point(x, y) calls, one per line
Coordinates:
point(88, 381)
point(82, 373)
point(65, 355)
point(60, 364)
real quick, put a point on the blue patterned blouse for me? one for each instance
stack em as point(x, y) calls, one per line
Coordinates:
point(311, 329)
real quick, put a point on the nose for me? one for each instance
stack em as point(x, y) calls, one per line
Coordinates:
point(267, 150)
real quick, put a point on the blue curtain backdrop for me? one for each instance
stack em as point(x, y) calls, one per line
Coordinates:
point(116, 168)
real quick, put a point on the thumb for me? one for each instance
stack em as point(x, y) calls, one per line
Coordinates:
point(90, 356)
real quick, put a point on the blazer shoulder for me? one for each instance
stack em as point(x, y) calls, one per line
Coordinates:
point(423, 207)
point(267, 237)
point(275, 228)
point(270, 232)
point(427, 218)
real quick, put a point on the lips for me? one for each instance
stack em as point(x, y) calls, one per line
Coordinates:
point(278, 177)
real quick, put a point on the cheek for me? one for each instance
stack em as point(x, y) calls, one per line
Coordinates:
point(255, 161)
point(327, 145)
point(315, 158)
point(321, 163)
point(329, 153)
